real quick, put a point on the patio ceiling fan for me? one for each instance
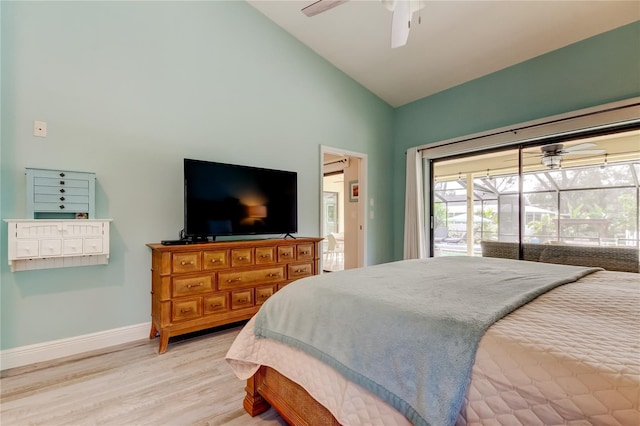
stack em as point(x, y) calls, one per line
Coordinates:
point(400, 23)
point(552, 154)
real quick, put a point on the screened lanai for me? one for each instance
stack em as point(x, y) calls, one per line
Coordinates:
point(583, 192)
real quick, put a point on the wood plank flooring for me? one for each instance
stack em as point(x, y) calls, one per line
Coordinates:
point(190, 384)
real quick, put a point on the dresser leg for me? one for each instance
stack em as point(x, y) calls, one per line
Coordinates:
point(164, 342)
point(154, 332)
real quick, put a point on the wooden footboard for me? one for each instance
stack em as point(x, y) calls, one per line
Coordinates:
point(295, 405)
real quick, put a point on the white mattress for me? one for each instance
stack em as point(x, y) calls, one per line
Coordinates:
point(572, 356)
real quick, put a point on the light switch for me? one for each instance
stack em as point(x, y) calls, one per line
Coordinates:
point(40, 129)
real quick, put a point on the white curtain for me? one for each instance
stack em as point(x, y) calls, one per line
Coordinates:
point(414, 219)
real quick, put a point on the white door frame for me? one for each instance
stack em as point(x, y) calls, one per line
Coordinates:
point(362, 199)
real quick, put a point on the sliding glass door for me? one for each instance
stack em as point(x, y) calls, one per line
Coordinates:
point(516, 202)
point(475, 198)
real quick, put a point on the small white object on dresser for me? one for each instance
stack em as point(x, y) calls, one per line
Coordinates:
point(41, 243)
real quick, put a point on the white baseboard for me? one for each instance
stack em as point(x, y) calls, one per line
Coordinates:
point(47, 351)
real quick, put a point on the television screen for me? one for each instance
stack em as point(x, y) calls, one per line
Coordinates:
point(228, 199)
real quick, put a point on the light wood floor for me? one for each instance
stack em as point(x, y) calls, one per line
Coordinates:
point(190, 384)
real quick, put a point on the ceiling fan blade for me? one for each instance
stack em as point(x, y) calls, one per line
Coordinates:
point(579, 147)
point(586, 151)
point(400, 23)
point(389, 4)
point(321, 6)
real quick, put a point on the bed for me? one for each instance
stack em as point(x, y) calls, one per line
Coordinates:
point(567, 352)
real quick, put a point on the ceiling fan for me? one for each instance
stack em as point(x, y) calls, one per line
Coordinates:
point(552, 154)
point(400, 23)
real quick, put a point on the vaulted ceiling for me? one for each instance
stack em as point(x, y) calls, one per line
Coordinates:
point(456, 41)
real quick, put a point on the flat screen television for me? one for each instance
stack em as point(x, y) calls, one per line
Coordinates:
point(228, 199)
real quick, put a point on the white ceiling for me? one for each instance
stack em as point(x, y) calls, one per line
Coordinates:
point(456, 42)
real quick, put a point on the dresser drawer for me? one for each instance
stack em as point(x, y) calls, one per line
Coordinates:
point(62, 182)
point(186, 262)
point(27, 248)
point(286, 253)
point(228, 280)
point(72, 246)
point(241, 257)
point(185, 309)
point(299, 270)
point(93, 245)
point(215, 259)
point(263, 293)
point(50, 248)
point(40, 191)
point(216, 303)
point(192, 285)
point(61, 207)
point(61, 174)
point(242, 299)
point(265, 255)
point(305, 251)
point(62, 198)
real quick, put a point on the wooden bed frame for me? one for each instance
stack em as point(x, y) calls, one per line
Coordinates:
point(269, 388)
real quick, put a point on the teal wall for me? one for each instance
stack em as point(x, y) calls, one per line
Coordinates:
point(129, 89)
point(601, 69)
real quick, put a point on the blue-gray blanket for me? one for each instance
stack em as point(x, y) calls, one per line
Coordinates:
point(408, 331)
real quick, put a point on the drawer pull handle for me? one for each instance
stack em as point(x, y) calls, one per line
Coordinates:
point(242, 257)
point(61, 174)
point(61, 182)
point(61, 198)
point(184, 311)
point(61, 206)
point(194, 285)
point(273, 274)
point(234, 280)
point(285, 254)
point(265, 256)
point(216, 305)
point(215, 260)
point(264, 296)
point(187, 263)
point(299, 271)
point(245, 300)
point(305, 252)
point(62, 191)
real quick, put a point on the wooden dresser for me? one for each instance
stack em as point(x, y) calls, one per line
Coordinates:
point(198, 286)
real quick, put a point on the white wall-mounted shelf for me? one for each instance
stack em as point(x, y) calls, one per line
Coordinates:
point(42, 244)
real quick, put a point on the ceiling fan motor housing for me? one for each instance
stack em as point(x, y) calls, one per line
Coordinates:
point(551, 149)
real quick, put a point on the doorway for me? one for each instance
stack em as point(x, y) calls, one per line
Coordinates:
point(343, 209)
